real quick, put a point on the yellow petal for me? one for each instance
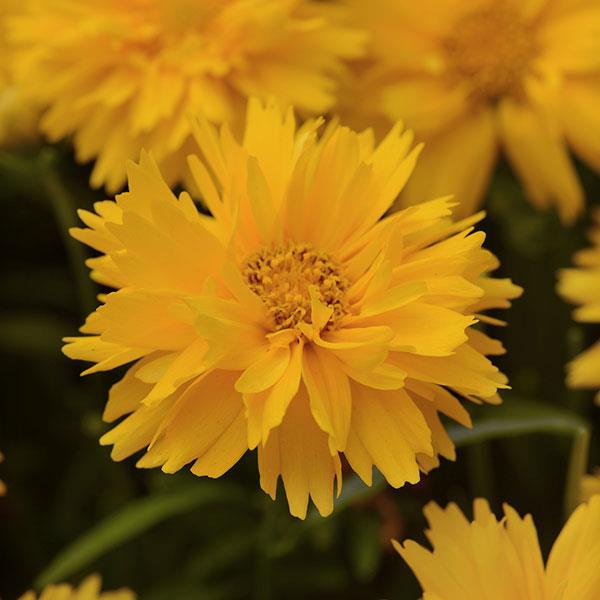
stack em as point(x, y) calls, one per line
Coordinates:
point(579, 116)
point(265, 372)
point(209, 413)
point(572, 43)
point(541, 160)
point(329, 392)
point(572, 571)
point(457, 161)
point(466, 370)
point(137, 430)
point(126, 395)
point(298, 450)
point(266, 409)
point(429, 330)
point(426, 103)
point(392, 431)
point(584, 371)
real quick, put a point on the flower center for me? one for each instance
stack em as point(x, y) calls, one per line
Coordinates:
point(282, 276)
point(492, 48)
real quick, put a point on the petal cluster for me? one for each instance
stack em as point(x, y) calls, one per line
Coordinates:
point(89, 589)
point(123, 75)
point(291, 315)
point(477, 77)
point(496, 560)
point(581, 286)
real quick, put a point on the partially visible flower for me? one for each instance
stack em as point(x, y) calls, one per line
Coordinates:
point(478, 76)
point(581, 286)
point(501, 560)
point(19, 114)
point(2, 484)
point(297, 319)
point(89, 589)
point(122, 75)
point(590, 485)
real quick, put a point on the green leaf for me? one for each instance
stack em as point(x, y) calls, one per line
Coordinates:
point(131, 521)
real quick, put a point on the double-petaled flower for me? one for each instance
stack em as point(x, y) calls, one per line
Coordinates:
point(295, 318)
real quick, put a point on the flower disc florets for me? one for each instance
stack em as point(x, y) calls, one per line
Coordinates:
point(492, 48)
point(283, 276)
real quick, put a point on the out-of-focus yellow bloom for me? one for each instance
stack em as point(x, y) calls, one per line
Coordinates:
point(498, 560)
point(473, 77)
point(581, 286)
point(122, 75)
point(294, 319)
point(89, 589)
point(19, 114)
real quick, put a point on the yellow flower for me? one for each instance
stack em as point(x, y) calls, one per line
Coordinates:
point(89, 589)
point(477, 76)
point(294, 319)
point(122, 75)
point(501, 560)
point(19, 114)
point(581, 286)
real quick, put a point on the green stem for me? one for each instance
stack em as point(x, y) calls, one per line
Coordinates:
point(64, 209)
point(578, 465)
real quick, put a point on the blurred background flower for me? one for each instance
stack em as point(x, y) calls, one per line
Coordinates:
point(487, 558)
point(89, 589)
point(581, 286)
point(473, 77)
point(123, 75)
point(19, 113)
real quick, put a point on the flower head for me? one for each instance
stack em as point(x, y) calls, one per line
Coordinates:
point(497, 560)
point(123, 75)
point(297, 318)
point(89, 589)
point(473, 77)
point(581, 285)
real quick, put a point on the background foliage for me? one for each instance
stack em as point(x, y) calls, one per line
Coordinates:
point(70, 510)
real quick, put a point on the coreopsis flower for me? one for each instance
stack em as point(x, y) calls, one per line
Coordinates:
point(89, 589)
point(19, 113)
point(497, 560)
point(473, 78)
point(581, 286)
point(296, 319)
point(123, 75)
